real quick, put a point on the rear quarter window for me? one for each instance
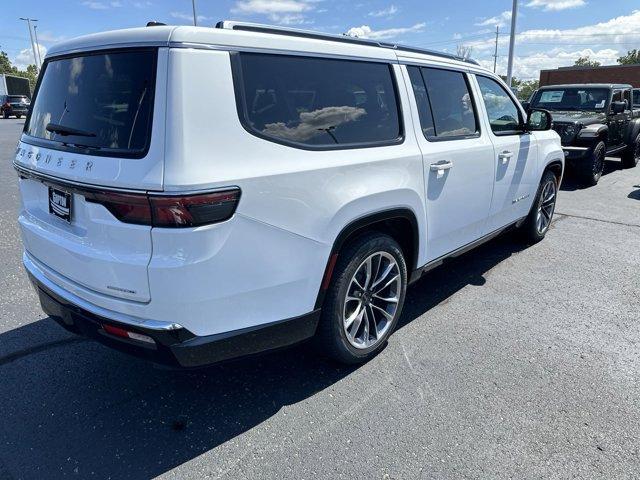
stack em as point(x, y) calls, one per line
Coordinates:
point(317, 103)
point(107, 96)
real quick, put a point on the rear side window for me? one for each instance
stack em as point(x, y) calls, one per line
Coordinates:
point(317, 102)
point(100, 102)
point(504, 115)
point(444, 102)
point(422, 101)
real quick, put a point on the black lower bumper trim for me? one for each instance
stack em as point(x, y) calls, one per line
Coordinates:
point(179, 348)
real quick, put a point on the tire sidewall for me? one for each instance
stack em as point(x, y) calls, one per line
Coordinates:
point(345, 270)
point(598, 150)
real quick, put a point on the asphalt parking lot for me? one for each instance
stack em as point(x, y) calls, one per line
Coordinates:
point(509, 362)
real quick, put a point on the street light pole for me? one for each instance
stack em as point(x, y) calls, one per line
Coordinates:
point(195, 18)
point(512, 42)
point(33, 46)
point(35, 34)
point(495, 55)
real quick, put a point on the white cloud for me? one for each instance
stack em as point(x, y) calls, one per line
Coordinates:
point(499, 20)
point(50, 37)
point(25, 57)
point(390, 11)
point(98, 5)
point(616, 30)
point(288, 12)
point(555, 5)
point(529, 66)
point(188, 17)
point(144, 4)
point(365, 31)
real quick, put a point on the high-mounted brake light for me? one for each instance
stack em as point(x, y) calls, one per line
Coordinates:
point(168, 211)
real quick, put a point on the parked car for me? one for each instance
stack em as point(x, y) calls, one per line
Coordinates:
point(593, 120)
point(16, 105)
point(310, 180)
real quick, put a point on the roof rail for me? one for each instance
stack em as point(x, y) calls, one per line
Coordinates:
point(294, 32)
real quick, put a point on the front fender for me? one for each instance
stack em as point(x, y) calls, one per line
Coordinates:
point(594, 131)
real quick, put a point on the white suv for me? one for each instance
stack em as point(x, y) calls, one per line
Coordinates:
point(192, 194)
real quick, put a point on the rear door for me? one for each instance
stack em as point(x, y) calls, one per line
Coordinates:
point(457, 158)
point(96, 128)
point(515, 154)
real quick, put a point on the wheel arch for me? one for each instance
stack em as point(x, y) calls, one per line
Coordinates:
point(393, 222)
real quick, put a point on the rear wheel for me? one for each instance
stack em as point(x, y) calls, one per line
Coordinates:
point(631, 156)
point(537, 223)
point(364, 299)
point(595, 165)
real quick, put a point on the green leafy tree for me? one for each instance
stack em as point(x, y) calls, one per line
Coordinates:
point(586, 62)
point(7, 68)
point(631, 58)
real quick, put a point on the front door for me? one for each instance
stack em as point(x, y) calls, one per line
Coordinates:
point(458, 159)
point(515, 155)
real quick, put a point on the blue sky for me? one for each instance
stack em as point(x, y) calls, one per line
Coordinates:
point(551, 32)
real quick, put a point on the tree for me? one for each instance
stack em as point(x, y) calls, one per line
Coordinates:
point(631, 58)
point(7, 68)
point(586, 62)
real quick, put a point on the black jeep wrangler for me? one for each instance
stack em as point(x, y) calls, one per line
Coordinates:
point(593, 120)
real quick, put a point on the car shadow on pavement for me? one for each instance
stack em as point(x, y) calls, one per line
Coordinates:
point(571, 181)
point(76, 408)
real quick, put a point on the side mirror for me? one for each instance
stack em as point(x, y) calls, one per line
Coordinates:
point(525, 105)
point(618, 107)
point(539, 120)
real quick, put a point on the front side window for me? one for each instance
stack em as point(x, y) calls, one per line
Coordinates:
point(102, 102)
point(451, 103)
point(636, 98)
point(504, 115)
point(317, 102)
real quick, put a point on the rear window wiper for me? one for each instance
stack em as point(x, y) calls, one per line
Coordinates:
point(64, 131)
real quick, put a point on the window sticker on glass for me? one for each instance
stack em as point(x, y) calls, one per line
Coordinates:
point(554, 96)
point(600, 104)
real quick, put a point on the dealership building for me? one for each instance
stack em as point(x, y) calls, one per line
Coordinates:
point(608, 74)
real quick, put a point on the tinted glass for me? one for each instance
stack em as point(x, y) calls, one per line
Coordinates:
point(571, 99)
point(617, 96)
point(109, 97)
point(17, 99)
point(451, 103)
point(422, 101)
point(503, 113)
point(318, 102)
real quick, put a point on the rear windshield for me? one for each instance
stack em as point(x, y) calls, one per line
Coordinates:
point(17, 98)
point(99, 101)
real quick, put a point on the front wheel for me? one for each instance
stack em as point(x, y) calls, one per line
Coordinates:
point(631, 157)
point(537, 223)
point(595, 165)
point(364, 299)
point(5, 114)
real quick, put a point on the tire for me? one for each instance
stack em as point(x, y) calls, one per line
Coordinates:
point(344, 334)
point(631, 156)
point(5, 114)
point(595, 165)
point(537, 223)
point(18, 116)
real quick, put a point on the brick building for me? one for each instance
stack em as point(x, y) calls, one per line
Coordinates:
point(608, 74)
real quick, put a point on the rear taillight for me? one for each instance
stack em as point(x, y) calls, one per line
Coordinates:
point(168, 211)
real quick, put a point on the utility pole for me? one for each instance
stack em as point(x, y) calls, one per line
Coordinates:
point(33, 45)
point(195, 17)
point(512, 42)
point(35, 34)
point(495, 55)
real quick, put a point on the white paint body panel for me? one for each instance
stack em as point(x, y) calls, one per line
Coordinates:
point(267, 262)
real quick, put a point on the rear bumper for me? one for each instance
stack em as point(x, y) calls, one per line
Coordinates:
point(174, 345)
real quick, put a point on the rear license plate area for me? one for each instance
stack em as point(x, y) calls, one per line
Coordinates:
point(60, 204)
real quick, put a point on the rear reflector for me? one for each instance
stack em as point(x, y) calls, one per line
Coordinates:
point(122, 333)
point(168, 211)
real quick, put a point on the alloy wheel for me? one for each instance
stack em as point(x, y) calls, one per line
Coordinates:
point(371, 301)
point(546, 207)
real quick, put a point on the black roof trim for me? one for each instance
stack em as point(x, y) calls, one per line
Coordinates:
point(343, 39)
